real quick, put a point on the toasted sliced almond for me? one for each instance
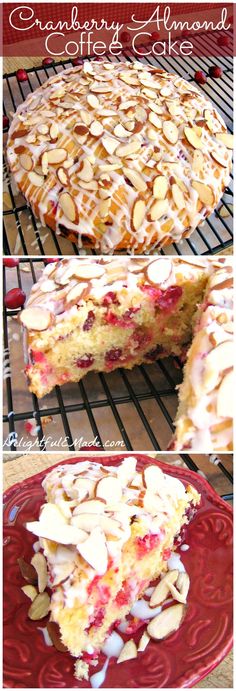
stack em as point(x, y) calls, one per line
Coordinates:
point(216, 361)
point(126, 150)
point(81, 130)
point(153, 477)
point(226, 139)
point(96, 129)
point(193, 138)
point(136, 179)
point(158, 271)
point(90, 506)
point(36, 318)
point(158, 209)
point(110, 144)
point(93, 101)
point(100, 89)
point(28, 571)
point(17, 134)
point(178, 197)
point(170, 131)
point(76, 293)
point(35, 179)
point(183, 584)
point(120, 131)
point(224, 396)
point(94, 551)
point(63, 176)
point(68, 206)
point(30, 591)
point(128, 652)
point(56, 156)
point(63, 534)
point(40, 565)
point(158, 109)
point(149, 93)
point(155, 120)
point(89, 271)
point(43, 128)
point(44, 163)
point(160, 187)
point(26, 161)
point(166, 622)
point(54, 131)
point(144, 640)
point(205, 193)
point(219, 157)
point(86, 171)
point(162, 589)
point(109, 488)
point(54, 633)
point(198, 161)
point(39, 607)
point(138, 213)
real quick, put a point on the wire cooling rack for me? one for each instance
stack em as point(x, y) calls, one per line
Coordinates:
point(24, 234)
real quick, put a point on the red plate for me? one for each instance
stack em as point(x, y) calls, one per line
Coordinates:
point(204, 638)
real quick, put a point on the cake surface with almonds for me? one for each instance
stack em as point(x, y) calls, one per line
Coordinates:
point(106, 533)
point(120, 155)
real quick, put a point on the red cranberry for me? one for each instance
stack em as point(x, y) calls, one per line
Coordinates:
point(22, 76)
point(125, 37)
point(89, 322)
point(85, 361)
point(223, 40)
point(37, 356)
point(47, 61)
point(166, 553)
point(5, 121)
point(10, 262)
point(215, 72)
point(151, 291)
point(200, 77)
point(123, 596)
point(77, 61)
point(98, 619)
point(147, 543)
point(155, 35)
point(141, 337)
point(113, 355)
point(169, 297)
point(110, 299)
point(51, 260)
point(15, 298)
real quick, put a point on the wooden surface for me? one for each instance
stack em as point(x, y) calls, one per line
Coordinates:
point(17, 468)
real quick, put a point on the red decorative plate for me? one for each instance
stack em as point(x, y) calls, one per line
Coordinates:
point(203, 640)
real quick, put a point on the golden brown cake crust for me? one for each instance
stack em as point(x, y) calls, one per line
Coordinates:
point(120, 155)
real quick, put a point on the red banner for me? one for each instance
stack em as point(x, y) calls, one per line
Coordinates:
point(69, 30)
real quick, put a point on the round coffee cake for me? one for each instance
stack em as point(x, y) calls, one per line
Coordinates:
point(120, 155)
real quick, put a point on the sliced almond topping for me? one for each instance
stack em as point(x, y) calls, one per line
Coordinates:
point(90, 506)
point(81, 130)
point(152, 475)
point(63, 534)
point(182, 585)
point(39, 607)
point(92, 101)
point(68, 163)
point(205, 193)
point(54, 131)
point(158, 209)
point(44, 163)
point(94, 551)
point(226, 139)
point(17, 134)
point(151, 134)
point(193, 138)
point(86, 117)
point(129, 78)
point(109, 488)
point(100, 89)
point(40, 565)
point(128, 652)
point(43, 128)
point(135, 178)
point(162, 589)
point(224, 396)
point(27, 571)
point(158, 271)
point(26, 161)
point(149, 93)
point(76, 293)
point(178, 197)
point(110, 144)
point(89, 271)
point(68, 206)
point(126, 149)
point(63, 176)
point(54, 633)
point(104, 207)
point(166, 622)
point(219, 157)
point(170, 131)
point(56, 156)
point(30, 591)
point(138, 213)
point(158, 109)
point(155, 120)
point(216, 361)
point(96, 128)
point(35, 179)
point(198, 161)
point(86, 171)
point(36, 318)
point(160, 187)
point(144, 640)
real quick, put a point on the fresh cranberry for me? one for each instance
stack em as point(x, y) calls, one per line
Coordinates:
point(200, 77)
point(37, 356)
point(10, 262)
point(153, 293)
point(124, 322)
point(51, 260)
point(110, 299)
point(113, 355)
point(141, 337)
point(166, 554)
point(155, 35)
point(89, 322)
point(99, 617)
point(77, 61)
point(123, 596)
point(169, 298)
point(15, 298)
point(154, 353)
point(147, 543)
point(85, 361)
point(47, 61)
point(223, 40)
point(125, 37)
point(5, 121)
point(130, 312)
point(215, 72)
point(22, 76)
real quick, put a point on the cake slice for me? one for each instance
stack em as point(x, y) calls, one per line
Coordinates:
point(95, 314)
point(205, 416)
point(106, 533)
